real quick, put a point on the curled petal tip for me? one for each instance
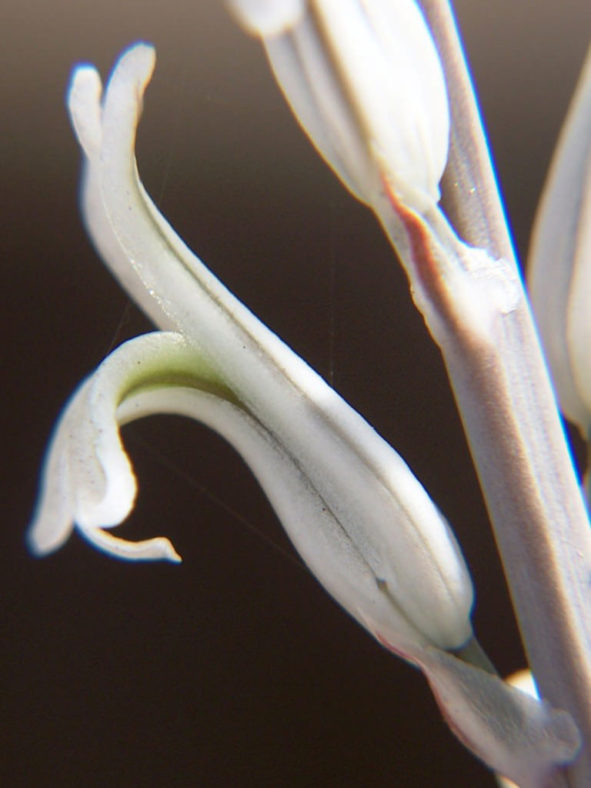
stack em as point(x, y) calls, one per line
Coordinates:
point(106, 487)
point(138, 63)
point(46, 537)
point(135, 66)
point(158, 549)
point(84, 104)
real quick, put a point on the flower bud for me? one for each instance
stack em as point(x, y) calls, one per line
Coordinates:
point(366, 83)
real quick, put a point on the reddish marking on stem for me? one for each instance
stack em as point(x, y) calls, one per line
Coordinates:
point(428, 261)
point(424, 256)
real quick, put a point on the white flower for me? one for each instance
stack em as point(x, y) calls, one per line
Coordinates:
point(365, 81)
point(559, 268)
point(369, 530)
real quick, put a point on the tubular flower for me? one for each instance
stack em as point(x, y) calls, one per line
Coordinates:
point(359, 518)
point(384, 530)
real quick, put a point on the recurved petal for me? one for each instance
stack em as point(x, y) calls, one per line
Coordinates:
point(52, 521)
point(162, 373)
point(87, 478)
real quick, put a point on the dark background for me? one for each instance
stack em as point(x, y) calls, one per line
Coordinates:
point(235, 668)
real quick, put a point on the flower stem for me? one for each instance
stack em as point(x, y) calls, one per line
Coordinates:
point(514, 431)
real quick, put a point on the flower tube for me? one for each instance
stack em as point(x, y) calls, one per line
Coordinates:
point(382, 510)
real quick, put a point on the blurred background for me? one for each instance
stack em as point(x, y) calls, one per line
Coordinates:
point(234, 668)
